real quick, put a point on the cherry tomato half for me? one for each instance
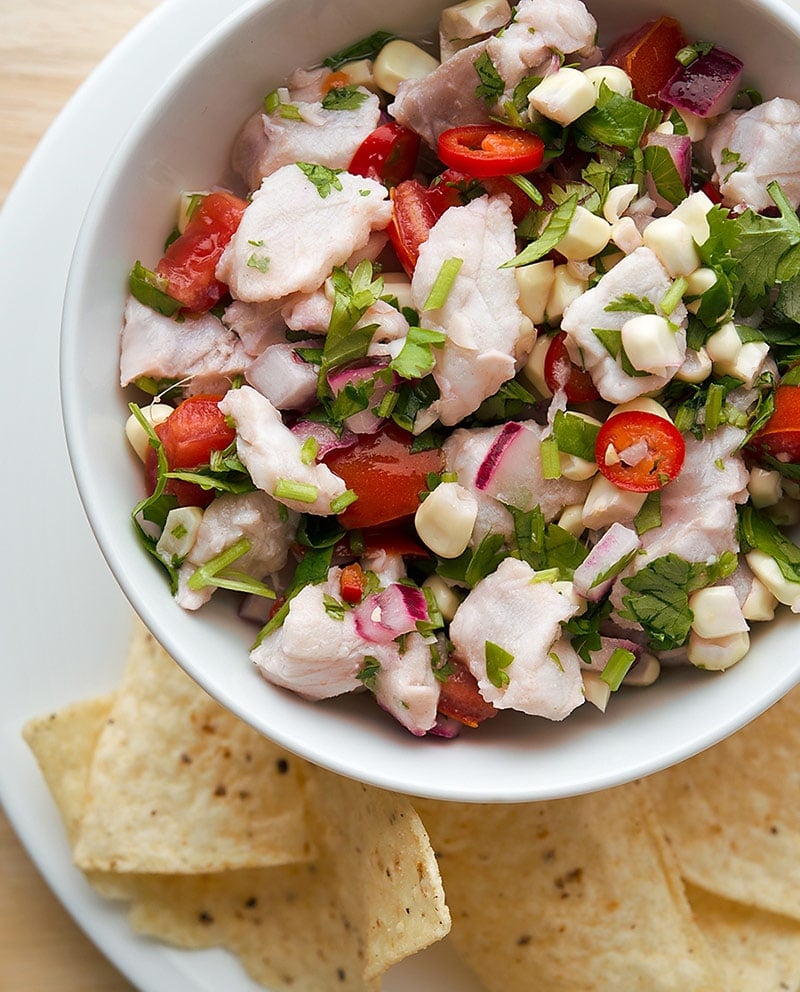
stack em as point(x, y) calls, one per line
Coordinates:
point(413, 216)
point(648, 57)
point(384, 474)
point(192, 431)
point(780, 436)
point(460, 699)
point(189, 263)
point(388, 154)
point(457, 184)
point(484, 150)
point(561, 372)
point(655, 446)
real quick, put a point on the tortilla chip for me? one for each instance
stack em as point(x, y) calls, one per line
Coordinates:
point(759, 951)
point(388, 880)
point(63, 744)
point(732, 813)
point(574, 895)
point(179, 785)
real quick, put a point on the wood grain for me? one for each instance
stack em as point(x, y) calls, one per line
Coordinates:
point(47, 48)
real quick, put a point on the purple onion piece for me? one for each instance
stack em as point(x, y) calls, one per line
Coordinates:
point(327, 439)
point(593, 578)
point(446, 727)
point(705, 87)
point(386, 615)
point(494, 455)
point(356, 373)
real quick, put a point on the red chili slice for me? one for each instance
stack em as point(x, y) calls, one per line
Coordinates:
point(561, 372)
point(639, 451)
point(484, 150)
point(413, 216)
point(388, 154)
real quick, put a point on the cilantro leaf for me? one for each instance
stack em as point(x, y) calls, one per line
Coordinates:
point(416, 358)
point(354, 294)
point(659, 596)
point(666, 178)
point(757, 531)
point(366, 48)
point(768, 250)
point(344, 98)
point(322, 177)
point(617, 120)
point(497, 661)
point(554, 230)
point(491, 85)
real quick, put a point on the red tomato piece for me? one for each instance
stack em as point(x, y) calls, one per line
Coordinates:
point(191, 432)
point(384, 474)
point(388, 154)
point(351, 583)
point(189, 263)
point(780, 436)
point(561, 372)
point(485, 150)
point(460, 698)
point(455, 182)
point(656, 447)
point(648, 57)
point(413, 216)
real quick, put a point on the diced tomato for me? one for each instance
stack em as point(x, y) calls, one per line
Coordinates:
point(384, 474)
point(460, 698)
point(780, 436)
point(454, 184)
point(484, 150)
point(657, 451)
point(648, 57)
point(413, 216)
point(191, 432)
point(712, 192)
point(561, 372)
point(388, 154)
point(351, 583)
point(335, 80)
point(189, 263)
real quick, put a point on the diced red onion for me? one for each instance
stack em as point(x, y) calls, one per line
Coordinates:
point(366, 370)
point(608, 645)
point(494, 456)
point(386, 615)
point(605, 557)
point(327, 439)
point(707, 86)
point(446, 727)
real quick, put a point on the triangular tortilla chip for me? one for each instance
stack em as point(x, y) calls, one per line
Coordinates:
point(732, 813)
point(758, 951)
point(179, 785)
point(573, 895)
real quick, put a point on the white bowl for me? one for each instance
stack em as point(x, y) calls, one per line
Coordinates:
point(181, 141)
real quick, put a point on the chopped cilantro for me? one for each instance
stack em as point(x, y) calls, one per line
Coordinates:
point(555, 229)
point(324, 179)
point(344, 98)
point(491, 85)
point(617, 120)
point(757, 531)
point(416, 358)
point(333, 607)
point(369, 672)
point(366, 48)
point(664, 173)
point(150, 289)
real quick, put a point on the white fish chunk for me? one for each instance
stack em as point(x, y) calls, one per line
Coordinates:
point(481, 315)
point(405, 685)
point(230, 517)
point(258, 324)
point(327, 137)
point(271, 453)
point(293, 234)
point(641, 276)
point(524, 619)
point(288, 382)
point(749, 149)
point(201, 349)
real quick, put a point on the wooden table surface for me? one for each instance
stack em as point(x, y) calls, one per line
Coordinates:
point(46, 49)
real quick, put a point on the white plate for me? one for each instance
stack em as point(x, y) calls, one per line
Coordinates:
point(65, 624)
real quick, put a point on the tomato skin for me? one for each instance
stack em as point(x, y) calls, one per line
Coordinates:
point(384, 474)
point(666, 451)
point(413, 216)
point(192, 431)
point(453, 181)
point(780, 436)
point(460, 699)
point(189, 263)
point(560, 370)
point(648, 57)
point(486, 150)
point(388, 154)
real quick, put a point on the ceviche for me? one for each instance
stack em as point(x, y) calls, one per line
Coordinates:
point(476, 384)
